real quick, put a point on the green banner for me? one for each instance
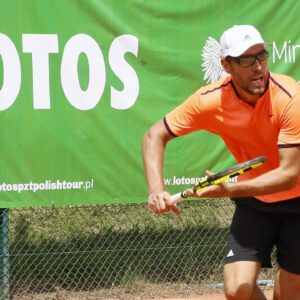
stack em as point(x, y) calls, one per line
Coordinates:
point(81, 81)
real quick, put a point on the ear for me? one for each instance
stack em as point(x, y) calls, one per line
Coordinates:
point(226, 65)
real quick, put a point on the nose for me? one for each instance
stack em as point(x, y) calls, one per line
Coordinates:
point(257, 65)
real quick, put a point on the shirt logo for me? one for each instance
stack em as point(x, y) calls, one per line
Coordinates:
point(211, 57)
point(230, 253)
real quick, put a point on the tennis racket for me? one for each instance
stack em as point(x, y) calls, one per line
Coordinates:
point(221, 176)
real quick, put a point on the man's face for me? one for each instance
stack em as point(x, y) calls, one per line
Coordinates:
point(249, 71)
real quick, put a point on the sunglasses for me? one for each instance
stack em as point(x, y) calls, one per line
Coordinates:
point(249, 60)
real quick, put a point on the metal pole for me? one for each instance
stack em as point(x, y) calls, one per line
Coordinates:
point(4, 254)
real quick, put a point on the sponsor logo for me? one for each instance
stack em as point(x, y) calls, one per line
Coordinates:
point(286, 53)
point(43, 48)
point(211, 56)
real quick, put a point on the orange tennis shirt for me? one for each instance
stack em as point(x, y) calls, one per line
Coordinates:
point(247, 131)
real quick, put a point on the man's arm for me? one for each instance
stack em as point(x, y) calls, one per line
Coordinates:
point(282, 178)
point(154, 144)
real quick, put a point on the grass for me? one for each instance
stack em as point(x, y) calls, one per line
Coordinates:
point(89, 248)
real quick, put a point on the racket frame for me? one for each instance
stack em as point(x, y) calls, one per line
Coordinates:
point(221, 176)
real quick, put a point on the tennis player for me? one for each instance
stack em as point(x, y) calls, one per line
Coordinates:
point(256, 113)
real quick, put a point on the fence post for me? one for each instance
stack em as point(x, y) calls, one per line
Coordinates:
point(4, 254)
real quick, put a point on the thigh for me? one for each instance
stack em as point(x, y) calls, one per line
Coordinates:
point(240, 277)
point(288, 243)
point(252, 236)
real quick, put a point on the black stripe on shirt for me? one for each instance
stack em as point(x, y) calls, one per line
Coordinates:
point(280, 86)
point(168, 128)
point(288, 146)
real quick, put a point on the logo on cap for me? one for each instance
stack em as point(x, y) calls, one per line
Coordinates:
point(247, 37)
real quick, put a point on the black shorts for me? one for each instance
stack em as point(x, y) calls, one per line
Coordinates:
point(257, 227)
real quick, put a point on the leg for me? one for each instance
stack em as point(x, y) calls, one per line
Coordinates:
point(276, 293)
point(287, 286)
point(248, 249)
point(240, 281)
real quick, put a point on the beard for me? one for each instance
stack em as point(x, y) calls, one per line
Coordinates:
point(256, 91)
point(254, 88)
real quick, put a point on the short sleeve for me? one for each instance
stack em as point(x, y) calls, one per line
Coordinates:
point(185, 118)
point(289, 133)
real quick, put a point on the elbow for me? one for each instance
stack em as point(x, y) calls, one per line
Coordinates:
point(146, 138)
point(290, 181)
point(157, 135)
point(149, 140)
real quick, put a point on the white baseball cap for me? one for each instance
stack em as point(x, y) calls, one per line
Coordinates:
point(239, 38)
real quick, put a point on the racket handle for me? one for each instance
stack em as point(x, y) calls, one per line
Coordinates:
point(177, 198)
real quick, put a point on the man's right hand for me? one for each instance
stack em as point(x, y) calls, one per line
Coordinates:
point(161, 203)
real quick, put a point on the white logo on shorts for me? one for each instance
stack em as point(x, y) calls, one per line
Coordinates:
point(230, 253)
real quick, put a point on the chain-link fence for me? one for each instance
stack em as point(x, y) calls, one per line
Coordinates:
point(113, 252)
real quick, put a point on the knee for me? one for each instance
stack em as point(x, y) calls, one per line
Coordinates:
point(287, 285)
point(239, 292)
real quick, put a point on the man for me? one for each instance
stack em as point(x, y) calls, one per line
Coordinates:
point(256, 113)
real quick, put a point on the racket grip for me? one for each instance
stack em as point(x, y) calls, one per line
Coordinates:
point(177, 198)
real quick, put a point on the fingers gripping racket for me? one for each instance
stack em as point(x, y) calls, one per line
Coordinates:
point(221, 176)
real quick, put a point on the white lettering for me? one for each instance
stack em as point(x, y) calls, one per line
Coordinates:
point(276, 52)
point(88, 99)
point(120, 46)
point(294, 52)
point(40, 46)
point(11, 72)
point(287, 52)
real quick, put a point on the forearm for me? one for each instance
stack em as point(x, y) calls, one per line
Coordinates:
point(154, 144)
point(282, 178)
point(153, 154)
point(271, 182)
